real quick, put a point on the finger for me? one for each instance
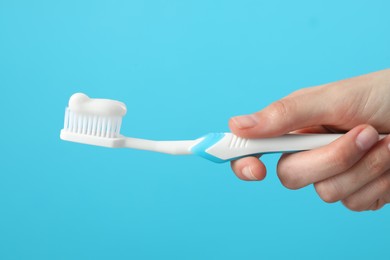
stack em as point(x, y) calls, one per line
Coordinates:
point(307, 108)
point(300, 169)
point(370, 167)
point(312, 130)
point(249, 168)
point(369, 196)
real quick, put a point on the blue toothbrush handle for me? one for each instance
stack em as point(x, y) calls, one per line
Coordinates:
point(223, 147)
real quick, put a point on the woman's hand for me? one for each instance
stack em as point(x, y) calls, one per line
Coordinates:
point(356, 167)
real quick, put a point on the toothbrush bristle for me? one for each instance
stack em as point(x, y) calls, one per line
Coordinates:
point(92, 125)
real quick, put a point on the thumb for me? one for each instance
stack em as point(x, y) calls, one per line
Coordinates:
point(305, 108)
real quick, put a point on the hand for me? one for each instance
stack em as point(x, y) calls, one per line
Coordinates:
point(356, 167)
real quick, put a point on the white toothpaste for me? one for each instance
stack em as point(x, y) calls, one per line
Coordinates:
point(81, 103)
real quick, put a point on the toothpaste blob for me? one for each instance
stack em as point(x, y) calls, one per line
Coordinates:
point(81, 103)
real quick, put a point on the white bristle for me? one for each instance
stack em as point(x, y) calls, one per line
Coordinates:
point(114, 131)
point(70, 120)
point(108, 126)
point(118, 125)
point(103, 127)
point(89, 128)
point(94, 125)
point(74, 127)
point(84, 130)
point(100, 126)
point(112, 127)
point(74, 120)
point(79, 120)
point(66, 120)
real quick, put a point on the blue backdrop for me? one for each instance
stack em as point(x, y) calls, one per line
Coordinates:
point(183, 68)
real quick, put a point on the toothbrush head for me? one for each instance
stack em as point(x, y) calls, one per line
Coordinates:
point(93, 121)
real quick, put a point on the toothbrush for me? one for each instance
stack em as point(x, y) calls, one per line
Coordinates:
point(98, 122)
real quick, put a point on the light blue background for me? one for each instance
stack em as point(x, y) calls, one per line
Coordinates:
point(183, 68)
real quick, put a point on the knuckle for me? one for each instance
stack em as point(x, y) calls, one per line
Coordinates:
point(281, 107)
point(327, 192)
point(353, 204)
point(374, 164)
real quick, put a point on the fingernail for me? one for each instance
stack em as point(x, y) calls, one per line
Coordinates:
point(247, 172)
point(246, 121)
point(366, 138)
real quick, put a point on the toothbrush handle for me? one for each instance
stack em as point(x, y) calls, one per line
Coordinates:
point(221, 147)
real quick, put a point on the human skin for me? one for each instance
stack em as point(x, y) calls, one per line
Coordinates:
point(354, 169)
